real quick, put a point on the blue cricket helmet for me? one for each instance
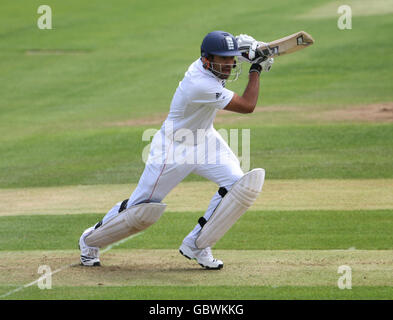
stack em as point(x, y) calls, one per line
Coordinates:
point(219, 43)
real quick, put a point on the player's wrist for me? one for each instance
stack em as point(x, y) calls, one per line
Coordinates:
point(255, 67)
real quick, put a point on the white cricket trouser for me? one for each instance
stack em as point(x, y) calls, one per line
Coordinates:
point(171, 162)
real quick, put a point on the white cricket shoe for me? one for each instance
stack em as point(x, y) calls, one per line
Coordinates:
point(203, 256)
point(89, 255)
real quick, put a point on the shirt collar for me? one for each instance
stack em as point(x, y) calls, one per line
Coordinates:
point(209, 73)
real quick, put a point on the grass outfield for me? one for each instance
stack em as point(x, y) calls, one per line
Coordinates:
point(205, 293)
point(69, 119)
point(76, 99)
point(46, 91)
point(278, 195)
point(285, 152)
point(270, 230)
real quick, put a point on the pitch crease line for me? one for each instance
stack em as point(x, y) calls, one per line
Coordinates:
point(66, 267)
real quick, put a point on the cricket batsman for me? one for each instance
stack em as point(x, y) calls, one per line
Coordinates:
point(188, 143)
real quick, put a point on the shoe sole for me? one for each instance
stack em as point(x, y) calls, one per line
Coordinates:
point(185, 255)
point(220, 266)
point(95, 264)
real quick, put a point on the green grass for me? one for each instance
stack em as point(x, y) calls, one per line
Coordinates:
point(111, 156)
point(121, 77)
point(123, 62)
point(270, 230)
point(202, 293)
point(109, 80)
point(56, 110)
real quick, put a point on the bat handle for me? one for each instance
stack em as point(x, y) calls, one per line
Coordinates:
point(265, 52)
point(260, 54)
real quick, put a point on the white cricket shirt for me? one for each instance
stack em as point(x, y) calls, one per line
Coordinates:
point(197, 98)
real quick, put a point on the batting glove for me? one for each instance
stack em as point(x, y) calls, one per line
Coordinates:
point(247, 46)
point(264, 65)
point(267, 64)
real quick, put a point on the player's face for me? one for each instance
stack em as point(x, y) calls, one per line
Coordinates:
point(223, 66)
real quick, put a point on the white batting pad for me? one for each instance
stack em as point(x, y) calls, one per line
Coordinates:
point(130, 221)
point(234, 204)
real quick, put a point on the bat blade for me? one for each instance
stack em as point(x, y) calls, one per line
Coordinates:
point(288, 44)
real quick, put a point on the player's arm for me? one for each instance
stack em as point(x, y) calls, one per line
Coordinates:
point(247, 102)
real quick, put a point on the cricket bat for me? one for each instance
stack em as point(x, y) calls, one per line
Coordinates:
point(289, 44)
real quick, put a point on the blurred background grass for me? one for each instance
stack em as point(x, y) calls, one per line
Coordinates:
point(114, 62)
point(256, 230)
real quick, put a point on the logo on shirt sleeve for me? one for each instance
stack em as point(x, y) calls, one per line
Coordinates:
point(218, 94)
